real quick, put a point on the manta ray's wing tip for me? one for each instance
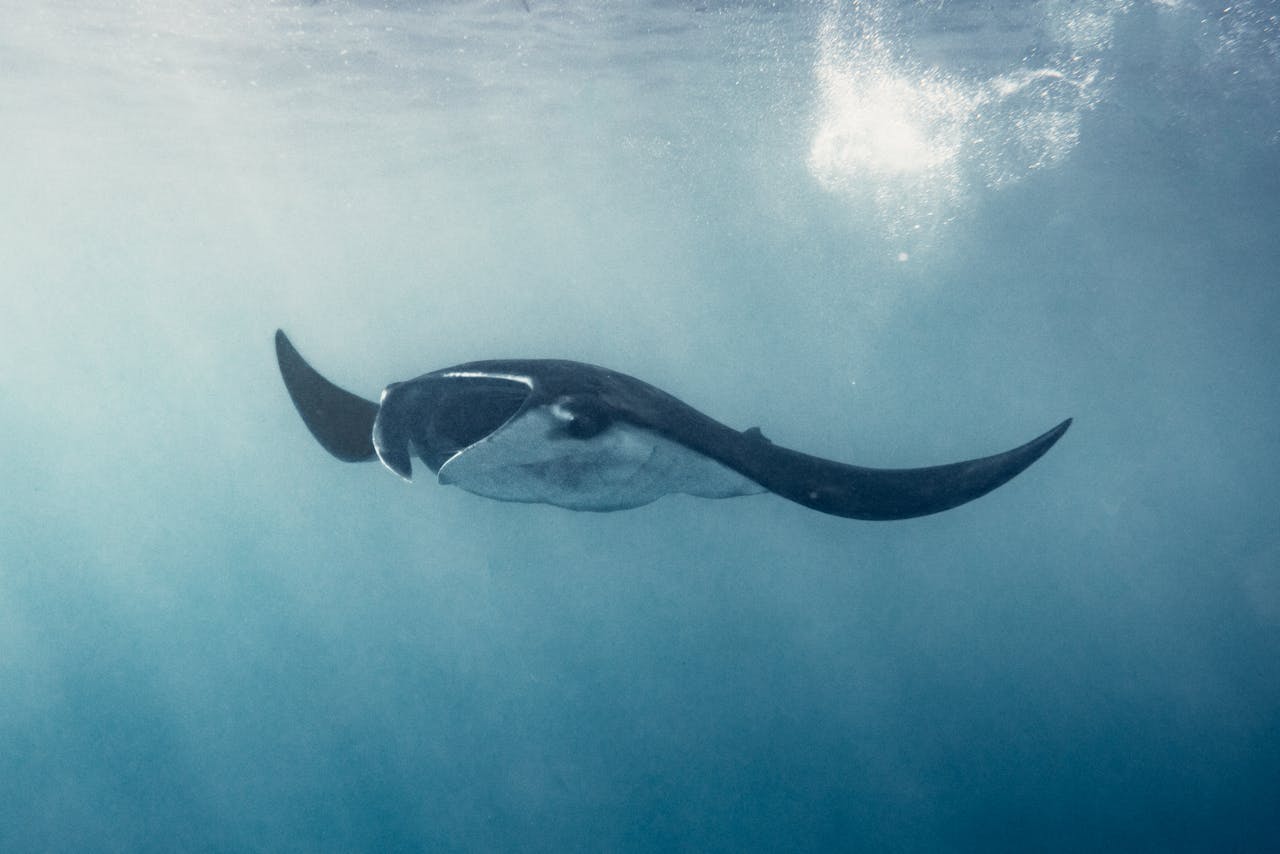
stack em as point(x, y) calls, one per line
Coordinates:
point(340, 421)
point(283, 343)
point(1002, 468)
point(1050, 437)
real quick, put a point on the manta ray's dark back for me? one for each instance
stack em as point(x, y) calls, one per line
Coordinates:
point(590, 419)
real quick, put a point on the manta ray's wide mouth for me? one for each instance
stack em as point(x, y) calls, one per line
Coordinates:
point(438, 415)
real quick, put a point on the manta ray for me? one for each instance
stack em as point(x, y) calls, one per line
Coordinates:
point(583, 437)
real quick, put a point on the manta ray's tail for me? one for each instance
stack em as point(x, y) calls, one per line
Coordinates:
point(881, 494)
point(341, 421)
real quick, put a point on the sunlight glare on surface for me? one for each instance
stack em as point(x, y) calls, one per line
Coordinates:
point(916, 139)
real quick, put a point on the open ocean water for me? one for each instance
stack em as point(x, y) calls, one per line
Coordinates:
point(893, 233)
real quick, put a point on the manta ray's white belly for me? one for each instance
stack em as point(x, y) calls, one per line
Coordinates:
point(532, 459)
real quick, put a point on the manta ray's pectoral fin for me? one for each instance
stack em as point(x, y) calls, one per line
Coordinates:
point(341, 421)
point(881, 494)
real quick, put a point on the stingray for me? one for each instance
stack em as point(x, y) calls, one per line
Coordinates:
point(583, 437)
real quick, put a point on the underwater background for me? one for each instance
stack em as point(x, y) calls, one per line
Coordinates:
point(891, 233)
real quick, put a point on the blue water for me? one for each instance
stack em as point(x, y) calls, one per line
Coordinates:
point(894, 234)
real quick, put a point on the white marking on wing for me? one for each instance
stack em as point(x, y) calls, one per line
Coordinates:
point(478, 375)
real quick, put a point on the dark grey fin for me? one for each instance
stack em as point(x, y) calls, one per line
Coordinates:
point(341, 421)
point(880, 494)
point(756, 435)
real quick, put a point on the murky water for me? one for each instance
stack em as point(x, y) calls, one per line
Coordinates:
point(894, 234)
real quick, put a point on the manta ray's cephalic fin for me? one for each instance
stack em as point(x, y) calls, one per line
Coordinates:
point(341, 421)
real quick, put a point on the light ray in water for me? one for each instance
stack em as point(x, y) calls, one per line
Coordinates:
point(915, 139)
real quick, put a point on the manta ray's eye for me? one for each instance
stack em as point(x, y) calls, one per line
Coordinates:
point(581, 417)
